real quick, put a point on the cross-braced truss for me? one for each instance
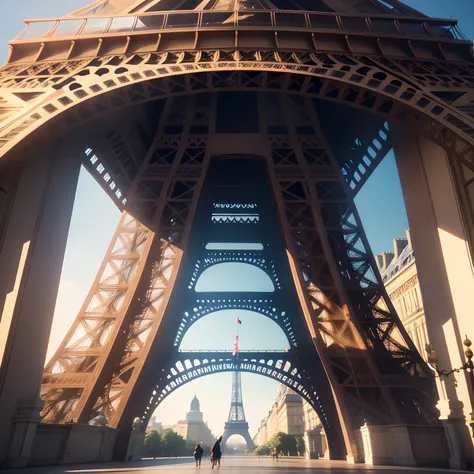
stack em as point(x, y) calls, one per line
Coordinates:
point(365, 346)
point(78, 380)
point(373, 368)
point(372, 84)
point(154, 87)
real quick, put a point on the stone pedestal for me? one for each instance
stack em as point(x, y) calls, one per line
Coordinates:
point(71, 443)
point(89, 444)
point(313, 444)
point(453, 423)
point(31, 257)
point(135, 446)
point(404, 445)
point(25, 422)
point(387, 445)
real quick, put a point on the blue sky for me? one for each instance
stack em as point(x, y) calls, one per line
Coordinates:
point(380, 204)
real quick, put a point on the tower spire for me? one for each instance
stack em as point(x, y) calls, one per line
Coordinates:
point(236, 422)
point(236, 412)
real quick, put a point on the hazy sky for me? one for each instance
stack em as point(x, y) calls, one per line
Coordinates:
point(94, 219)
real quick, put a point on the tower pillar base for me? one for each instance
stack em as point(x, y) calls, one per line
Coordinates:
point(404, 445)
point(32, 248)
point(25, 422)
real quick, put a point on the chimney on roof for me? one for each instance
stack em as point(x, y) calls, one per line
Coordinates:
point(398, 246)
point(387, 257)
point(379, 262)
point(409, 239)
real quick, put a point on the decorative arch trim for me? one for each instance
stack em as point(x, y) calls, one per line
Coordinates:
point(358, 81)
point(255, 259)
point(279, 366)
point(265, 307)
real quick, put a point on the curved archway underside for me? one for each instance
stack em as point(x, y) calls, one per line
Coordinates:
point(376, 84)
point(253, 259)
point(263, 305)
point(79, 91)
point(280, 366)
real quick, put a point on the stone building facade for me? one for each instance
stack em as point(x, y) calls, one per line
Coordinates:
point(286, 415)
point(154, 425)
point(193, 429)
point(400, 277)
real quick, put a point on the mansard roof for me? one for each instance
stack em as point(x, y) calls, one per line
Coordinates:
point(125, 7)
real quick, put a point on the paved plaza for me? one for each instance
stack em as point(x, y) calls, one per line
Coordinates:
point(230, 464)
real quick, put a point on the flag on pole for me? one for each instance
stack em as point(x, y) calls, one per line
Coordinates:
point(239, 321)
point(236, 346)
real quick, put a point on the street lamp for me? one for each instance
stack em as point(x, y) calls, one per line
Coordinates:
point(432, 359)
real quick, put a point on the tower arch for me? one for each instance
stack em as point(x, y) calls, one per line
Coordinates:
point(216, 331)
point(234, 277)
point(332, 269)
point(265, 307)
point(386, 93)
point(279, 366)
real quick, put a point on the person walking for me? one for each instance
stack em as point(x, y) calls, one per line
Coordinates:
point(216, 454)
point(198, 452)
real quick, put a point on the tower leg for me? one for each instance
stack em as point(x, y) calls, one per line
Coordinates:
point(242, 431)
point(31, 257)
point(445, 272)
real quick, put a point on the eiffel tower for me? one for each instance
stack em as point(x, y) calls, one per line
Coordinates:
point(159, 101)
point(236, 423)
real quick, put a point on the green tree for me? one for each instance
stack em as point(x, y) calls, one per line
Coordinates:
point(288, 444)
point(152, 444)
point(262, 450)
point(173, 444)
point(284, 443)
point(300, 445)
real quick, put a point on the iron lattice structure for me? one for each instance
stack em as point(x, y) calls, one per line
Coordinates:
point(236, 412)
point(310, 91)
point(236, 422)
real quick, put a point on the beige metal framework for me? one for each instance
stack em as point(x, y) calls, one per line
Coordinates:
point(143, 85)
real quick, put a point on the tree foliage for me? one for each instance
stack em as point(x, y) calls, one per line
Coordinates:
point(173, 443)
point(300, 445)
point(152, 445)
point(262, 450)
point(167, 443)
point(282, 442)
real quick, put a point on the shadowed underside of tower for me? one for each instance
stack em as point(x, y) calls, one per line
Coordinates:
point(157, 98)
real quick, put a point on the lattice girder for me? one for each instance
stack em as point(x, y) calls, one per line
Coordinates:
point(79, 360)
point(367, 356)
point(146, 291)
point(359, 81)
point(353, 335)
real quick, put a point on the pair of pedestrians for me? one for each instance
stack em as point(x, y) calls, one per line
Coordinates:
point(216, 454)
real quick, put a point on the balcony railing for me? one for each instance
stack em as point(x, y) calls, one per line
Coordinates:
point(381, 25)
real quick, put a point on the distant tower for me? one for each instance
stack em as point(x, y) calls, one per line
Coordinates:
point(195, 413)
point(193, 429)
point(236, 423)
